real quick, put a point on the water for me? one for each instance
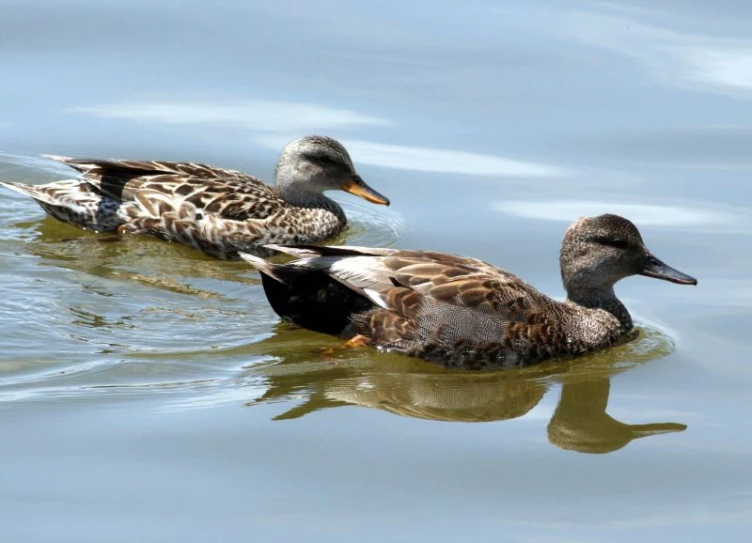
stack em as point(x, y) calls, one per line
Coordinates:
point(149, 393)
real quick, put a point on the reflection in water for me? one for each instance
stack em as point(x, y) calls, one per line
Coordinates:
point(468, 397)
point(294, 118)
point(132, 258)
point(718, 64)
point(426, 159)
point(153, 263)
point(474, 398)
point(417, 389)
point(580, 422)
point(273, 124)
point(693, 218)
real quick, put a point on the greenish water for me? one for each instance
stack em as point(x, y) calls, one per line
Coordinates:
point(150, 394)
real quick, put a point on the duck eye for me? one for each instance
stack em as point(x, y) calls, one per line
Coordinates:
point(616, 243)
point(325, 159)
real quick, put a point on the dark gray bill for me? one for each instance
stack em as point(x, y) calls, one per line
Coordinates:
point(659, 270)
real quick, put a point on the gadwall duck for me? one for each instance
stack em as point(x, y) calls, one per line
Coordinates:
point(214, 210)
point(461, 312)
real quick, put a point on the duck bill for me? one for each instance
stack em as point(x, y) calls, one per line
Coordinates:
point(659, 270)
point(358, 187)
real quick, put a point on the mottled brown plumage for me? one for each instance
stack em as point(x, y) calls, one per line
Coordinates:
point(459, 311)
point(215, 210)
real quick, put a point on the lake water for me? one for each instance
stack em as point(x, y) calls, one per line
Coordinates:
point(150, 394)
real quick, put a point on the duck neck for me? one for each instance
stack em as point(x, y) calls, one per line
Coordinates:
point(297, 197)
point(601, 298)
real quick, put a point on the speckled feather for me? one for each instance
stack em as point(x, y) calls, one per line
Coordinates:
point(456, 311)
point(462, 312)
point(215, 210)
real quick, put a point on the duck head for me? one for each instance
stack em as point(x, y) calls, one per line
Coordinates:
point(311, 165)
point(599, 251)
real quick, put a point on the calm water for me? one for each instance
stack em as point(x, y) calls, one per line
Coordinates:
point(150, 394)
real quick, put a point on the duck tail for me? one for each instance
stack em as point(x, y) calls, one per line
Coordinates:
point(303, 250)
point(298, 250)
point(308, 296)
point(266, 268)
point(283, 274)
point(59, 158)
point(30, 190)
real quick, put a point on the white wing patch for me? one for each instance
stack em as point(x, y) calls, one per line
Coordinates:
point(376, 298)
point(365, 272)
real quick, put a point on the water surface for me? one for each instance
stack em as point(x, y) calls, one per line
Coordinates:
point(149, 393)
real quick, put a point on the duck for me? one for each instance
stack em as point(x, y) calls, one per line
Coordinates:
point(461, 312)
point(215, 210)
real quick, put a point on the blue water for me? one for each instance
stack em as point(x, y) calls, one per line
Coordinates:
point(149, 393)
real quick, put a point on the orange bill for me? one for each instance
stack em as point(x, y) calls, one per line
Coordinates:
point(358, 187)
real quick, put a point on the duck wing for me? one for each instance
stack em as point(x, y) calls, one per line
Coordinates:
point(454, 310)
point(166, 186)
point(441, 277)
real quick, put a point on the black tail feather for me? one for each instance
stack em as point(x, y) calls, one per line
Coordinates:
point(311, 299)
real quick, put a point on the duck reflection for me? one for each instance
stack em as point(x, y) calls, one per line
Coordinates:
point(141, 261)
point(417, 389)
point(580, 422)
point(444, 397)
